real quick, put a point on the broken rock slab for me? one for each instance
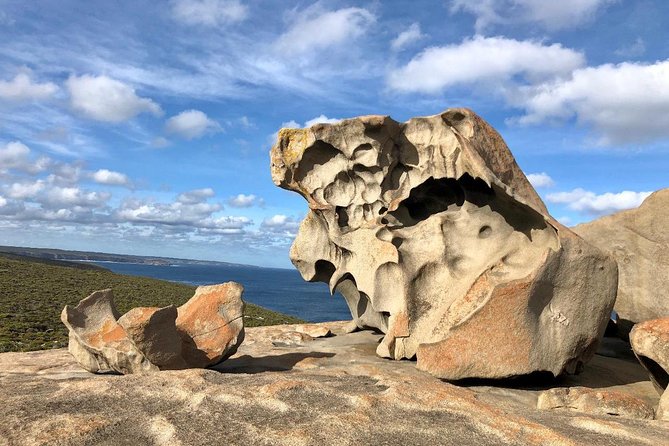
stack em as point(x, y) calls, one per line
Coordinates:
point(639, 241)
point(202, 332)
point(591, 401)
point(434, 236)
point(650, 342)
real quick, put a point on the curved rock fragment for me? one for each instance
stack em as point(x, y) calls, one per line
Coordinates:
point(201, 333)
point(650, 342)
point(433, 235)
point(595, 402)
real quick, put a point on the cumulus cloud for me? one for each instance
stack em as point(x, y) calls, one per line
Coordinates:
point(22, 88)
point(21, 191)
point(108, 100)
point(3, 201)
point(191, 124)
point(281, 225)
point(549, 14)
point(196, 196)
point(105, 176)
point(407, 37)
point(314, 29)
point(540, 179)
point(245, 201)
point(16, 155)
point(209, 12)
point(625, 103)
point(483, 59)
point(322, 119)
point(590, 203)
point(56, 197)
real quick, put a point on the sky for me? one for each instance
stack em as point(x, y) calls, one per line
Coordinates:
point(144, 127)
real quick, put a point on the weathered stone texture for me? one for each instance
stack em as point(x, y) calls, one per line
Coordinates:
point(202, 332)
point(434, 236)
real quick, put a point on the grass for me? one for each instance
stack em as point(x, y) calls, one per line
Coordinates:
point(33, 293)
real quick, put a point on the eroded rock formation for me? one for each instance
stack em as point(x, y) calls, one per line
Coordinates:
point(639, 241)
point(202, 332)
point(650, 342)
point(434, 236)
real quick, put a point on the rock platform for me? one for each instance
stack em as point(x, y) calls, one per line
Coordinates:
point(326, 391)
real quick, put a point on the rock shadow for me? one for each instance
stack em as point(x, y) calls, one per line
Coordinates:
point(270, 363)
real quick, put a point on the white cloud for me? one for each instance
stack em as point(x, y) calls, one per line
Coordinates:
point(313, 29)
point(196, 196)
point(281, 224)
point(407, 37)
point(625, 103)
point(21, 191)
point(209, 12)
point(483, 59)
point(549, 14)
point(540, 179)
point(16, 155)
point(57, 196)
point(108, 100)
point(21, 88)
point(3, 201)
point(245, 201)
point(191, 124)
point(104, 176)
point(593, 204)
point(322, 119)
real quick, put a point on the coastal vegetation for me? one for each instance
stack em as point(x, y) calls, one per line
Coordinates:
point(34, 291)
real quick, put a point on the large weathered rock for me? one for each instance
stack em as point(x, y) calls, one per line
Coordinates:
point(434, 236)
point(329, 391)
point(639, 241)
point(202, 332)
point(650, 342)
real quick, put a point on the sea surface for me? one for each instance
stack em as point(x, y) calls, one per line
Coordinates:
point(281, 290)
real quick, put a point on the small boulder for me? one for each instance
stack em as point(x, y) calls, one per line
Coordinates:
point(291, 339)
point(201, 333)
point(595, 402)
point(314, 330)
point(650, 342)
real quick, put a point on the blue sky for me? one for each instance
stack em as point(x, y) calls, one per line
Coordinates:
point(144, 127)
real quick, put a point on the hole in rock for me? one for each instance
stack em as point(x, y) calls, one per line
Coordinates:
point(485, 231)
point(319, 153)
point(342, 216)
point(323, 271)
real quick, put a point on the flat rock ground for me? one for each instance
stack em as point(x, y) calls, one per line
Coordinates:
point(329, 391)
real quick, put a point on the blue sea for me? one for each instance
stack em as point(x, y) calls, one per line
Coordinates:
point(281, 290)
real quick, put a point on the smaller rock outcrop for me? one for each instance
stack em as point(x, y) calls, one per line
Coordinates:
point(639, 241)
point(650, 342)
point(595, 402)
point(201, 333)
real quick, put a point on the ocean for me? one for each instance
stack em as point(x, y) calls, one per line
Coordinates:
point(281, 290)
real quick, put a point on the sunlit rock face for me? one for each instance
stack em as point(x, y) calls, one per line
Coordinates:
point(202, 332)
point(434, 236)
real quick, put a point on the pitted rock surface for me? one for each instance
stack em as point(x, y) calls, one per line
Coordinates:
point(202, 332)
point(330, 391)
point(433, 235)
